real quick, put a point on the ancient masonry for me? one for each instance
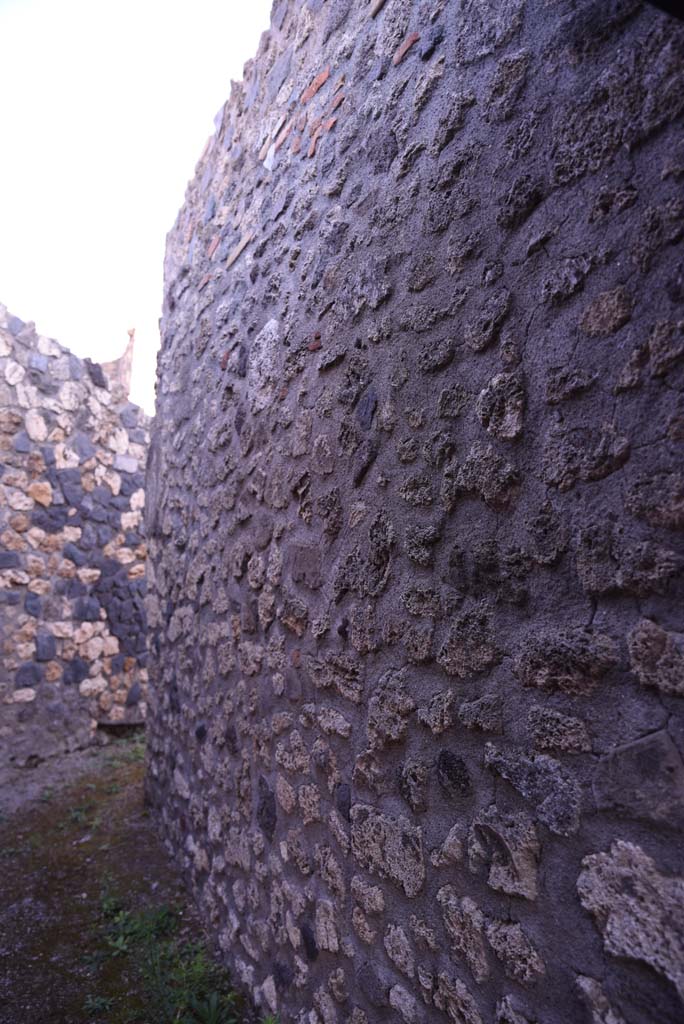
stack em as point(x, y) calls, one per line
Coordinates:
point(415, 514)
point(72, 554)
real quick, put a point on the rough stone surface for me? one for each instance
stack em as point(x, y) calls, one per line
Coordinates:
point(73, 646)
point(508, 847)
point(638, 911)
point(415, 513)
point(388, 847)
point(657, 657)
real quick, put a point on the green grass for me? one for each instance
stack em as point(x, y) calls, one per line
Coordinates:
point(126, 939)
point(97, 1005)
point(80, 815)
point(85, 813)
point(179, 981)
point(130, 750)
point(9, 852)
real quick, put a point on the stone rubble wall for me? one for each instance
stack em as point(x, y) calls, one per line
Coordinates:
point(415, 513)
point(72, 549)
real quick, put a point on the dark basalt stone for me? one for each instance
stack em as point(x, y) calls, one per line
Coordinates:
point(266, 814)
point(452, 774)
point(309, 941)
point(28, 674)
point(75, 671)
point(343, 800)
point(46, 647)
point(95, 373)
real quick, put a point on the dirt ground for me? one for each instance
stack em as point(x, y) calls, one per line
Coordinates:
point(22, 786)
point(94, 922)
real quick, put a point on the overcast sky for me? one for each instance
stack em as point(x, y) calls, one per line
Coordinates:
point(104, 111)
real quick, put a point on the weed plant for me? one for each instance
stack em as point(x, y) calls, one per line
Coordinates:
point(180, 982)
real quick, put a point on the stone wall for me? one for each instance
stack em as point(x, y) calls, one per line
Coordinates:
point(415, 508)
point(72, 553)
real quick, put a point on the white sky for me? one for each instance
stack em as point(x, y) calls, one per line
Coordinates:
point(105, 108)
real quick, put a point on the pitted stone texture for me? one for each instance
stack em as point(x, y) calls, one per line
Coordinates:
point(638, 910)
point(571, 661)
point(388, 847)
point(521, 960)
point(508, 846)
point(389, 709)
point(465, 925)
point(553, 791)
point(554, 731)
point(657, 657)
point(416, 485)
point(456, 1001)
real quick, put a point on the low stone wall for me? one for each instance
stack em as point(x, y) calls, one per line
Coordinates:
point(415, 514)
point(72, 550)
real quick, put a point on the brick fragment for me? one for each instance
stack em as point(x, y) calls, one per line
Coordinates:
point(317, 83)
point(213, 246)
point(320, 127)
point(237, 251)
point(296, 144)
point(284, 134)
point(405, 47)
point(314, 141)
point(338, 101)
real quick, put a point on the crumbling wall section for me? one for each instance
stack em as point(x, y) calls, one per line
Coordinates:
point(415, 516)
point(72, 551)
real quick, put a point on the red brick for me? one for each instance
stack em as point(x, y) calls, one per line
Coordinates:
point(405, 47)
point(301, 123)
point(339, 99)
point(204, 282)
point(329, 124)
point(242, 244)
point(296, 144)
point(213, 246)
point(284, 134)
point(314, 141)
point(317, 83)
